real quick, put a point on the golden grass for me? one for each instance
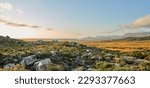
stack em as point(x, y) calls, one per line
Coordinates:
point(123, 46)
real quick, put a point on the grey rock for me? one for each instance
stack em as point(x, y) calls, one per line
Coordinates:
point(54, 53)
point(140, 60)
point(88, 50)
point(94, 57)
point(91, 69)
point(42, 65)
point(128, 58)
point(79, 68)
point(15, 60)
point(29, 60)
point(10, 65)
point(88, 66)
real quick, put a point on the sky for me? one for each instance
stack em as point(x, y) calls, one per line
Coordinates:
point(73, 18)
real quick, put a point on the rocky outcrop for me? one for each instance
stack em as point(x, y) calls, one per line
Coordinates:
point(7, 38)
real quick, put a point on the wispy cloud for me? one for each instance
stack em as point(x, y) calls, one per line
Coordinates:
point(14, 24)
point(143, 22)
point(19, 11)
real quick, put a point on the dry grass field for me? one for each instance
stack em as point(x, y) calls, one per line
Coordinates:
point(123, 46)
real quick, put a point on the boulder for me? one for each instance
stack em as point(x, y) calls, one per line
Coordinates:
point(42, 65)
point(140, 60)
point(128, 59)
point(53, 53)
point(89, 50)
point(91, 69)
point(29, 60)
point(8, 66)
point(15, 60)
point(79, 68)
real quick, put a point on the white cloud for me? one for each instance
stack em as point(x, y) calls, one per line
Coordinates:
point(142, 22)
point(19, 11)
point(5, 6)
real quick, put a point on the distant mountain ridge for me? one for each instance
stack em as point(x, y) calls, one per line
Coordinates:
point(114, 37)
point(102, 38)
point(143, 34)
point(136, 38)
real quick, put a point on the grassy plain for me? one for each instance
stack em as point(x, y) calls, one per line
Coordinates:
point(122, 46)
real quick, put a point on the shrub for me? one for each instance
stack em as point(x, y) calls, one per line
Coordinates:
point(17, 67)
point(102, 66)
point(55, 67)
point(138, 54)
point(144, 66)
point(147, 58)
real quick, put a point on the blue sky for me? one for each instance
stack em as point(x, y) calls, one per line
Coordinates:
point(73, 18)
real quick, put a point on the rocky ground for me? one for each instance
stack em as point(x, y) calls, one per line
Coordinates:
point(67, 56)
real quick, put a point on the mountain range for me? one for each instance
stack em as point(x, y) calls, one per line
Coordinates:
point(125, 36)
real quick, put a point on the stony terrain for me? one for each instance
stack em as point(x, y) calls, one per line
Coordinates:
point(18, 55)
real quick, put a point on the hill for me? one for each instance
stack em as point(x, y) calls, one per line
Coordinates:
point(6, 41)
point(142, 34)
point(125, 36)
point(136, 38)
